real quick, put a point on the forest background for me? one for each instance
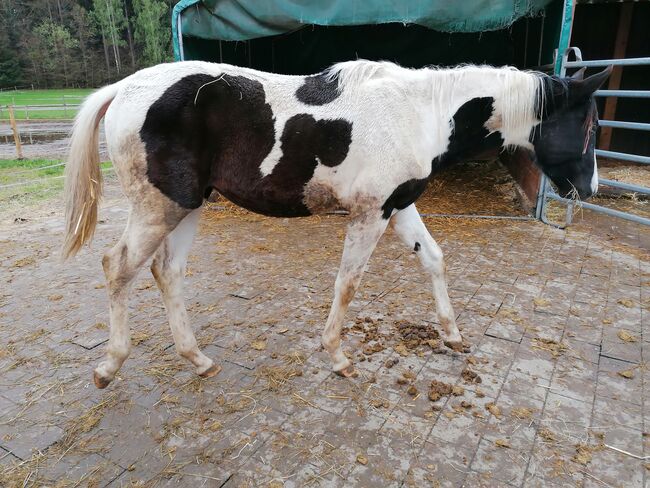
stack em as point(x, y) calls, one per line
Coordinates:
point(80, 43)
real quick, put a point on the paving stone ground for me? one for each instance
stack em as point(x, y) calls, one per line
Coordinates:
point(558, 324)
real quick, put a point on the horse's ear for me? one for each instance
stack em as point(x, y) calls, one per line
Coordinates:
point(581, 89)
point(579, 75)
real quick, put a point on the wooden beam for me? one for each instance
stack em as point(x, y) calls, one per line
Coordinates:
point(14, 129)
point(620, 46)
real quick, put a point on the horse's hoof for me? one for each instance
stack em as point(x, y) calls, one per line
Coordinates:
point(457, 346)
point(348, 372)
point(213, 370)
point(100, 381)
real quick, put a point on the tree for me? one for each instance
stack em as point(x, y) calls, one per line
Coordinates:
point(84, 29)
point(152, 30)
point(56, 43)
point(10, 72)
point(10, 69)
point(109, 15)
point(53, 48)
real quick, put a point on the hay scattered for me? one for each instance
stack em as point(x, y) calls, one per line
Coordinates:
point(522, 413)
point(627, 373)
point(584, 453)
point(458, 391)
point(22, 262)
point(625, 336)
point(277, 378)
point(493, 409)
point(625, 302)
point(87, 421)
point(547, 435)
point(555, 348)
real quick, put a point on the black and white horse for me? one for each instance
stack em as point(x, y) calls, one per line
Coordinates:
point(362, 136)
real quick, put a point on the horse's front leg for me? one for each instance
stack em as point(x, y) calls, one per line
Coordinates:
point(411, 230)
point(360, 241)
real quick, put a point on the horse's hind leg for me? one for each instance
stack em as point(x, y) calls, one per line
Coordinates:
point(143, 234)
point(360, 241)
point(409, 227)
point(168, 268)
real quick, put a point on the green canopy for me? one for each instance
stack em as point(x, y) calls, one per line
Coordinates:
point(240, 20)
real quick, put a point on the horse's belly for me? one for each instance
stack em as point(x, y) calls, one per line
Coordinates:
point(264, 197)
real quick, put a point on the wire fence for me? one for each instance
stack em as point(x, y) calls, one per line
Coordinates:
point(15, 131)
point(48, 109)
point(47, 179)
point(18, 87)
point(30, 170)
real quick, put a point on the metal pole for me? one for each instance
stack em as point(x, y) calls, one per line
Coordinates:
point(565, 32)
point(563, 45)
point(14, 129)
point(179, 24)
point(607, 211)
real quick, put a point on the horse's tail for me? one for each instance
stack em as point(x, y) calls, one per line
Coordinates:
point(83, 176)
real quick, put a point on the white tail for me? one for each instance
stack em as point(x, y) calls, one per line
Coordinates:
point(83, 176)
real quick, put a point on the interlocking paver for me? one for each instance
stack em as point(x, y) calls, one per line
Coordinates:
point(549, 335)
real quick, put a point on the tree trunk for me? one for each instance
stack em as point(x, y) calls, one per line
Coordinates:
point(114, 39)
point(58, 4)
point(129, 36)
point(108, 61)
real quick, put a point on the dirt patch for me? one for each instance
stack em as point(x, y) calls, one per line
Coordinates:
point(584, 453)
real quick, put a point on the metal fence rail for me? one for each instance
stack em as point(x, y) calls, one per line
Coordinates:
point(546, 191)
point(32, 111)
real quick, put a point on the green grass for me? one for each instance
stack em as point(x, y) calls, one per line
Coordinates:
point(39, 184)
point(22, 99)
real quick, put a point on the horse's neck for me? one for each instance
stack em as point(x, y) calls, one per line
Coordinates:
point(513, 97)
point(488, 108)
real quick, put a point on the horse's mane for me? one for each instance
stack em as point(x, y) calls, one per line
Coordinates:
point(519, 95)
point(352, 74)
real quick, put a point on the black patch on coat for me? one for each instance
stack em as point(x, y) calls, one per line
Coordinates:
point(468, 138)
point(306, 142)
point(206, 132)
point(403, 196)
point(316, 90)
point(219, 138)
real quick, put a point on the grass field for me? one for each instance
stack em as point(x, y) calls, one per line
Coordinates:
point(31, 179)
point(33, 104)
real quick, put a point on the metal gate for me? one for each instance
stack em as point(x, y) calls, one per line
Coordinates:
point(547, 193)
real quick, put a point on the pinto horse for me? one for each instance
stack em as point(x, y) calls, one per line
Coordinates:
point(361, 136)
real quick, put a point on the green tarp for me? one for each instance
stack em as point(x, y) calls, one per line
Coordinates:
point(240, 20)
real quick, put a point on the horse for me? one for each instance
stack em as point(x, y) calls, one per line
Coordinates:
point(363, 136)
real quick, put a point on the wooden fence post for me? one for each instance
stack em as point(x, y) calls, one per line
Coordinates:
point(622, 34)
point(14, 128)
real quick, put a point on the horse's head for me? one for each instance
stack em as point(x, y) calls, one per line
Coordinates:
point(565, 141)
